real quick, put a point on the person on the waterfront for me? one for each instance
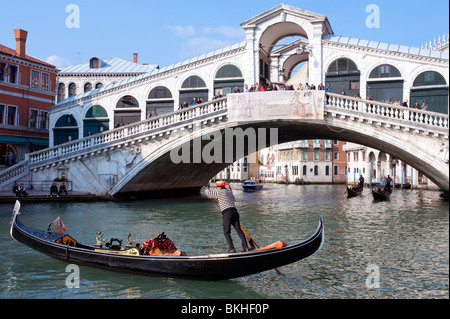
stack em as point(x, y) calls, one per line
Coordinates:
point(227, 205)
point(62, 189)
point(21, 191)
point(54, 190)
point(16, 189)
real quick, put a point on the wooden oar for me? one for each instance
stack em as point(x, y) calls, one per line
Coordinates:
point(251, 240)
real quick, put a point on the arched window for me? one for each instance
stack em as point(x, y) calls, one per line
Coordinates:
point(385, 85)
point(343, 76)
point(160, 101)
point(193, 82)
point(94, 63)
point(193, 87)
point(99, 85)
point(65, 130)
point(385, 71)
point(61, 92)
point(127, 111)
point(72, 89)
point(228, 77)
point(430, 87)
point(96, 120)
point(87, 87)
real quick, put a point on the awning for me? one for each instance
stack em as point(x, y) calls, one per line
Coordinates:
point(23, 140)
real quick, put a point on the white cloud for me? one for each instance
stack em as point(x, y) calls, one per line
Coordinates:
point(182, 31)
point(197, 41)
point(58, 61)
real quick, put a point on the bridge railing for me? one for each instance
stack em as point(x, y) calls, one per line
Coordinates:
point(130, 130)
point(412, 115)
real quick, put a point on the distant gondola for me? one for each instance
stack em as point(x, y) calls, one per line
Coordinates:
point(205, 267)
point(354, 191)
point(381, 194)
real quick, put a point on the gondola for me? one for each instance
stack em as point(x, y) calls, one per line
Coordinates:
point(354, 191)
point(251, 185)
point(205, 267)
point(381, 194)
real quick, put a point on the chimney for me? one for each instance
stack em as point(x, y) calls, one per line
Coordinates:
point(135, 57)
point(21, 39)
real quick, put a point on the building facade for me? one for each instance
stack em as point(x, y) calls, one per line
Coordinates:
point(27, 91)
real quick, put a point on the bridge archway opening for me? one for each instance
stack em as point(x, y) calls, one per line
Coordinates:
point(193, 87)
point(127, 111)
point(430, 87)
point(385, 82)
point(95, 121)
point(275, 36)
point(65, 130)
point(160, 101)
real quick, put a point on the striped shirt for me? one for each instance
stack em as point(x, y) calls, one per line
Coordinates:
point(223, 196)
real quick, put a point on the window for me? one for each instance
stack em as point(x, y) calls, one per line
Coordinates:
point(2, 113)
point(72, 89)
point(13, 74)
point(61, 92)
point(304, 170)
point(316, 156)
point(336, 156)
point(94, 63)
point(33, 118)
point(34, 79)
point(327, 155)
point(354, 85)
point(87, 87)
point(385, 71)
point(327, 170)
point(43, 123)
point(295, 170)
point(45, 82)
point(99, 85)
point(11, 116)
point(2, 71)
point(336, 170)
point(305, 155)
point(316, 170)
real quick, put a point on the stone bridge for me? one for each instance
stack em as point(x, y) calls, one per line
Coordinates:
point(139, 158)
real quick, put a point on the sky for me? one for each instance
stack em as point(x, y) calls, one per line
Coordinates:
point(68, 32)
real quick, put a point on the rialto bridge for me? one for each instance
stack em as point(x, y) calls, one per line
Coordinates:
point(136, 156)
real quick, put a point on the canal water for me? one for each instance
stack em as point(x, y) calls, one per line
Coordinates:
point(404, 243)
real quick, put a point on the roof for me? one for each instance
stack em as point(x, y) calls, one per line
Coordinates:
point(387, 46)
point(109, 66)
point(9, 51)
point(154, 72)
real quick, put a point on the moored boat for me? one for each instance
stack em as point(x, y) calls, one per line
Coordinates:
point(251, 185)
point(205, 267)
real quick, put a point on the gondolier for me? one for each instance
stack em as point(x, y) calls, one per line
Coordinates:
point(225, 198)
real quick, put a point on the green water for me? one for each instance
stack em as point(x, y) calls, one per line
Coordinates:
point(406, 239)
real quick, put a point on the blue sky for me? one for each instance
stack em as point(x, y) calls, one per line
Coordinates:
point(166, 32)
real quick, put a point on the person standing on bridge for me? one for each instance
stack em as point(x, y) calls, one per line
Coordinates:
point(227, 205)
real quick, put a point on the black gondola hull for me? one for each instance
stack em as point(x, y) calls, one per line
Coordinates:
point(380, 195)
point(351, 192)
point(207, 267)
